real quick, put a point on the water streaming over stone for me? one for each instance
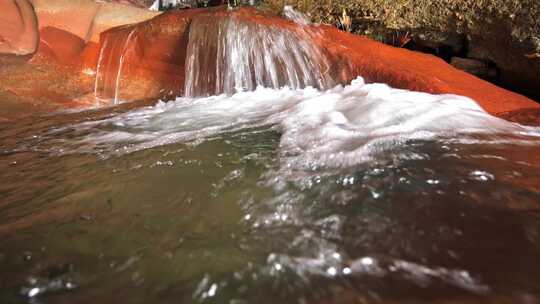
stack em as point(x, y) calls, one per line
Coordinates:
point(290, 13)
point(114, 50)
point(227, 54)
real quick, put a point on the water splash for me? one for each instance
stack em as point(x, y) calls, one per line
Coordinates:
point(339, 127)
point(290, 13)
point(228, 54)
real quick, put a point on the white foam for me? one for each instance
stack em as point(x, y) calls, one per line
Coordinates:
point(337, 127)
point(290, 13)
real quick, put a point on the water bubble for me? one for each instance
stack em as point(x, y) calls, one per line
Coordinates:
point(33, 292)
point(27, 255)
point(481, 176)
point(433, 181)
point(366, 261)
point(332, 271)
point(212, 291)
point(348, 181)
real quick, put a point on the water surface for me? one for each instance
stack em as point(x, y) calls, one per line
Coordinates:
point(358, 194)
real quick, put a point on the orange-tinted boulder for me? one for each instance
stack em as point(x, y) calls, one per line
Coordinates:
point(18, 27)
point(59, 45)
point(89, 58)
point(147, 60)
point(402, 68)
point(87, 18)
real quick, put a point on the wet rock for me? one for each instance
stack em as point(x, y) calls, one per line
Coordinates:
point(499, 31)
point(112, 15)
point(162, 64)
point(74, 41)
point(59, 45)
point(146, 60)
point(153, 55)
point(476, 67)
point(527, 116)
point(18, 27)
point(92, 17)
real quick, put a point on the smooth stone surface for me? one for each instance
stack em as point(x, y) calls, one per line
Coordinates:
point(18, 27)
point(91, 19)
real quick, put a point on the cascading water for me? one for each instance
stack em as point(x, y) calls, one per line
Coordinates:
point(290, 13)
point(114, 49)
point(227, 54)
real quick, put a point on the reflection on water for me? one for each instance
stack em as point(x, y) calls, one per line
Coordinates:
point(243, 212)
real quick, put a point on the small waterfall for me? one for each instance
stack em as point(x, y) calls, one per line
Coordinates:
point(290, 13)
point(114, 49)
point(228, 54)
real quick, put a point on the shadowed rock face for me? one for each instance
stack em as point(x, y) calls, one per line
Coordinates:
point(18, 27)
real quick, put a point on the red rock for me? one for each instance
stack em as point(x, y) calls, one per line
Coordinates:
point(146, 60)
point(152, 58)
point(526, 116)
point(89, 58)
point(87, 18)
point(60, 45)
point(402, 68)
point(18, 27)
point(154, 63)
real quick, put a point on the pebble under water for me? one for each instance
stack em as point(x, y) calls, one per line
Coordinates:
point(358, 194)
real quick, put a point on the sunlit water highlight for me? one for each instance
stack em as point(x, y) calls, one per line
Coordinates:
point(356, 193)
point(339, 127)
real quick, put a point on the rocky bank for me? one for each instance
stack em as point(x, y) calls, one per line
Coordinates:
point(502, 35)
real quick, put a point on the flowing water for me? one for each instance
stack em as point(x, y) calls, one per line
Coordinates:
point(355, 194)
point(110, 65)
point(227, 54)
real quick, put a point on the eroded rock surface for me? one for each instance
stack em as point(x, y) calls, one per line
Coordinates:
point(18, 27)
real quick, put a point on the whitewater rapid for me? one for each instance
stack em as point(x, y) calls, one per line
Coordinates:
point(337, 127)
